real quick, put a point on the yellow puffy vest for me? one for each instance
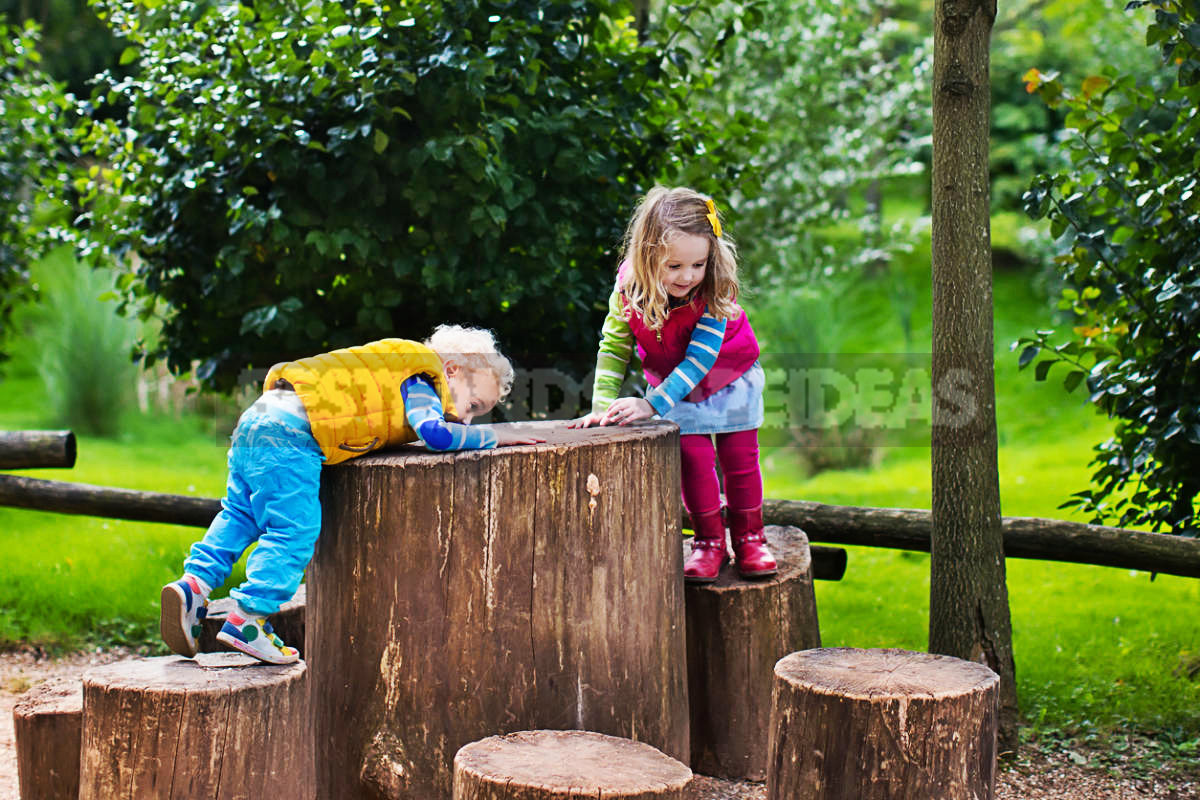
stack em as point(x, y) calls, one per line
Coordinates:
point(353, 398)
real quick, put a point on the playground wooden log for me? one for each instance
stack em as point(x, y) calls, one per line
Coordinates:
point(62, 497)
point(288, 623)
point(1024, 537)
point(737, 630)
point(898, 528)
point(461, 595)
point(46, 725)
point(33, 449)
point(222, 725)
point(852, 724)
point(557, 765)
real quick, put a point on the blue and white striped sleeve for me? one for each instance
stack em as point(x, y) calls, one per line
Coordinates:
point(425, 414)
point(699, 358)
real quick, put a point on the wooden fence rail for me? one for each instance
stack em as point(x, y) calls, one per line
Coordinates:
point(900, 528)
point(33, 449)
point(1024, 537)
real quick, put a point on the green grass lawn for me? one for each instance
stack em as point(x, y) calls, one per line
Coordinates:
point(1097, 648)
point(70, 580)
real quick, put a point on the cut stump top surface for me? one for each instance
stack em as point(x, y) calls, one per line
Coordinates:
point(556, 433)
point(881, 673)
point(207, 672)
point(788, 544)
point(584, 761)
point(54, 696)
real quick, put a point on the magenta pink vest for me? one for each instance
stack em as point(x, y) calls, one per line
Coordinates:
point(662, 350)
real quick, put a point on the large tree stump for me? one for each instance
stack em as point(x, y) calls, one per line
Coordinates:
point(288, 623)
point(543, 765)
point(46, 725)
point(222, 726)
point(455, 596)
point(873, 724)
point(737, 630)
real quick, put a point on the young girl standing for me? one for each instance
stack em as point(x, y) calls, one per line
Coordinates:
point(676, 299)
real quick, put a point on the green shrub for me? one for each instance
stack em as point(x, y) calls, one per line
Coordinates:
point(302, 176)
point(32, 114)
point(819, 103)
point(1129, 212)
point(82, 347)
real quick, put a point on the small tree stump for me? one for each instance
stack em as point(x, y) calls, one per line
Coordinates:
point(737, 630)
point(46, 724)
point(852, 724)
point(460, 595)
point(288, 623)
point(221, 726)
point(542, 765)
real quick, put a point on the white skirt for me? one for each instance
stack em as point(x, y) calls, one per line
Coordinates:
point(737, 407)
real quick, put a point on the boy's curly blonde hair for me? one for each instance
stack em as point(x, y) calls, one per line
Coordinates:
point(474, 348)
point(662, 215)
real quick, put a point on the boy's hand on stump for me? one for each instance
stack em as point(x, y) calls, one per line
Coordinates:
point(506, 437)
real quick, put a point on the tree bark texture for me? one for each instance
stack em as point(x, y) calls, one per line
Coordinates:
point(288, 623)
point(62, 497)
point(968, 605)
point(852, 724)
point(33, 449)
point(46, 724)
point(737, 629)
point(461, 595)
point(222, 726)
point(545, 765)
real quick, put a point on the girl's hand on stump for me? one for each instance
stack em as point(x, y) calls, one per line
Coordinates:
point(507, 437)
point(587, 421)
point(627, 410)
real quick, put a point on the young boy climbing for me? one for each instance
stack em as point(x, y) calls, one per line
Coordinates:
point(316, 411)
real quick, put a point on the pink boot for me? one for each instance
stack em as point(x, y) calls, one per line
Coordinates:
point(708, 549)
point(750, 551)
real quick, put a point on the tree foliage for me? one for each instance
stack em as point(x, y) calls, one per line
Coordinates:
point(295, 177)
point(817, 101)
point(1072, 38)
point(74, 43)
point(32, 114)
point(1128, 210)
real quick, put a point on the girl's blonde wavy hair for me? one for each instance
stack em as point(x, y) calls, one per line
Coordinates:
point(662, 215)
point(474, 348)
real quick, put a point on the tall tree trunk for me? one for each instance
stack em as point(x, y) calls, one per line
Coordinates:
point(968, 601)
point(641, 16)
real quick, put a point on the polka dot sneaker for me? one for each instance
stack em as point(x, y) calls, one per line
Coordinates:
point(184, 605)
point(253, 635)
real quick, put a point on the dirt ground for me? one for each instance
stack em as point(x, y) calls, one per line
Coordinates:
point(1038, 773)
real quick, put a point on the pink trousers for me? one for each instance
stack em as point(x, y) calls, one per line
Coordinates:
point(738, 454)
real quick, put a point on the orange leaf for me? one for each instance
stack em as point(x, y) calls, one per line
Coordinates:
point(1033, 79)
point(1094, 83)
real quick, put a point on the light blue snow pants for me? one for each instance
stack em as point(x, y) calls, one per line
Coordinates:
point(272, 497)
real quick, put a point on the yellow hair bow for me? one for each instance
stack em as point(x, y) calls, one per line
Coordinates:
point(712, 217)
